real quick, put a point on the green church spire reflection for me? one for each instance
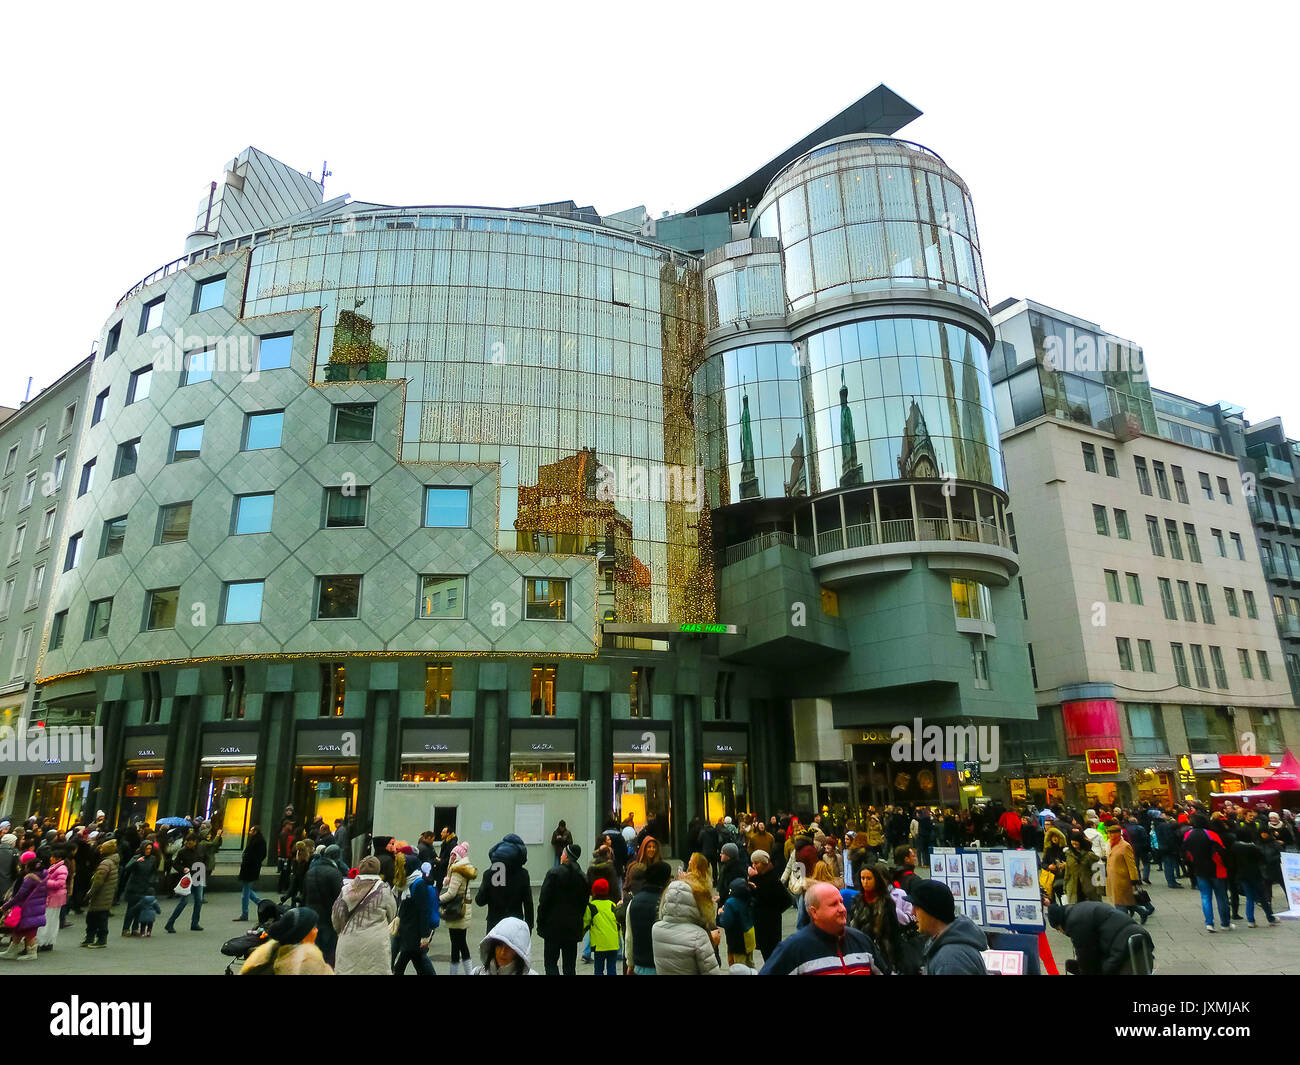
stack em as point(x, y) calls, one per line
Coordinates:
point(848, 440)
point(748, 476)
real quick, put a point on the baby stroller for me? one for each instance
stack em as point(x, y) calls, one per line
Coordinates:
point(239, 948)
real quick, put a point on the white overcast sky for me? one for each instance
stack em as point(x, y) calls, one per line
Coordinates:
point(1134, 164)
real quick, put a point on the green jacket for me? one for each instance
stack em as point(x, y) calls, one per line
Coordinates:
point(1079, 866)
point(599, 918)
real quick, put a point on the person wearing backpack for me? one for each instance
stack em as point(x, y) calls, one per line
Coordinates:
point(736, 919)
point(599, 919)
point(454, 901)
point(417, 920)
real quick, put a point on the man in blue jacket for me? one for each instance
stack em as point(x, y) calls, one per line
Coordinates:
point(826, 945)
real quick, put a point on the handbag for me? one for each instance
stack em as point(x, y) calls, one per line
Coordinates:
point(183, 885)
point(394, 925)
point(13, 917)
point(454, 910)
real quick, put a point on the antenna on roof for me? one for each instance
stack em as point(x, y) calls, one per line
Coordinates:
point(324, 173)
point(28, 394)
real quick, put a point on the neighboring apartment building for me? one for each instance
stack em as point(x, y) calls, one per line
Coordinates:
point(37, 452)
point(1153, 645)
point(415, 493)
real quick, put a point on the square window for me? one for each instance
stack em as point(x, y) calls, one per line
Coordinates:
point(138, 388)
point(442, 596)
point(345, 508)
point(273, 352)
point(160, 608)
point(151, 315)
point(353, 422)
point(98, 617)
point(72, 555)
point(128, 455)
point(187, 442)
point(263, 430)
point(446, 508)
point(114, 534)
point(174, 523)
point(241, 602)
point(198, 367)
point(87, 481)
point(338, 597)
point(253, 513)
point(210, 293)
point(546, 600)
point(97, 415)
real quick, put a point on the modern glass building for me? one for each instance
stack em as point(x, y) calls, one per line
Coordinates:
point(376, 493)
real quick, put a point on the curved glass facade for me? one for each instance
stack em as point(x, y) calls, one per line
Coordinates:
point(880, 400)
point(868, 214)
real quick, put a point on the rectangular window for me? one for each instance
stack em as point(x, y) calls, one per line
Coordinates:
point(1241, 551)
point(1220, 673)
point(980, 662)
point(128, 454)
point(1198, 663)
point(437, 690)
point(209, 294)
point(252, 513)
point(112, 340)
point(1134, 589)
point(345, 508)
point(241, 602)
point(187, 442)
point(1033, 669)
point(1153, 534)
point(353, 422)
point(87, 481)
point(198, 367)
point(174, 523)
point(38, 441)
point(1207, 611)
point(139, 385)
point(1144, 479)
point(1206, 487)
point(60, 468)
point(160, 608)
point(1147, 727)
point(1099, 519)
point(333, 689)
point(1180, 665)
point(640, 699)
point(1243, 660)
point(442, 596)
point(72, 556)
point(542, 695)
point(29, 491)
point(35, 584)
point(273, 352)
point(114, 534)
point(1024, 603)
point(1230, 597)
point(97, 413)
point(1108, 459)
point(1265, 670)
point(1147, 656)
point(1219, 545)
point(57, 629)
point(11, 460)
point(1223, 489)
point(263, 430)
point(1180, 485)
point(1089, 458)
point(97, 618)
point(1208, 730)
point(1121, 524)
point(1125, 653)
point(546, 599)
point(69, 416)
point(338, 597)
point(970, 599)
point(1249, 598)
point(1175, 545)
point(1193, 544)
point(1167, 598)
point(20, 536)
point(1185, 593)
point(47, 524)
point(1112, 587)
point(151, 315)
point(1162, 481)
point(446, 508)
point(7, 596)
point(21, 652)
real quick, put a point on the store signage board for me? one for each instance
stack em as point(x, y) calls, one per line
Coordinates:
point(1102, 762)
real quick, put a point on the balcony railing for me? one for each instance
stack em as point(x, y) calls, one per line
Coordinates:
point(1289, 627)
point(749, 548)
point(1273, 469)
point(1259, 513)
point(1274, 570)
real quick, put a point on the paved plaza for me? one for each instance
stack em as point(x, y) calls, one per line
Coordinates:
point(1177, 928)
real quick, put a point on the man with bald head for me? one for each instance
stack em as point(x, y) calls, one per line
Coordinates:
point(826, 946)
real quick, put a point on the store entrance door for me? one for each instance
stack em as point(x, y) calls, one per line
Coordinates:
point(326, 791)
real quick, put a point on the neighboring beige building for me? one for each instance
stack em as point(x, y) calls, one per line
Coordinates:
point(1148, 615)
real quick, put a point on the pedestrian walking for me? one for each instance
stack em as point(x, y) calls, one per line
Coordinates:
point(454, 903)
point(27, 900)
point(561, 910)
point(361, 916)
point(99, 895)
point(250, 868)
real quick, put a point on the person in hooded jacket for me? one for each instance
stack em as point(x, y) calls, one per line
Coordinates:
point(9, 870)
point(56, 896)
point(639, 918)
point(507, 949)
point(1249, 859)
point(506, 890)
point(560, 910)
point(1080, 870)
point(734, 867)
point(648, 853)
point(1101, 936)
point(100, 894)
point(250, 868)
point(290, 948)
point(680, 943)
point(29, 897)
point(956, 943)
point(417, 920)
point(140, 876)
point(454, 903)
point(736, 919)
point(321, 887)
point(361, 916)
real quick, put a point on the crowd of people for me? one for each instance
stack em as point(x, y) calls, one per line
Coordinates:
point(371, 905)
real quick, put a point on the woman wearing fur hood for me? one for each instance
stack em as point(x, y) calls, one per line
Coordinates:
point(454, 901)
point(361, 916)
point(290, 948)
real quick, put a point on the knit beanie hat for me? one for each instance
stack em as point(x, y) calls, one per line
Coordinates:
point(658, 874)
point(574, 852)
point(293, 926)
point(459, 851)
point(760, 856)
point(730, 850)
point(369, 866)
point(600, 888)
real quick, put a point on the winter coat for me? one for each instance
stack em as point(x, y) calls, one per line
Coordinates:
point(461, 875)
point(709, 844)
point(956, 950)
point(321, 888)
point(639, 918)
point(56, 885)
point(250, 866)
point(361, 916)
point(1121, 874)
point(1271, 862)
point(875, 832)
point(514, 898)
point(735, 869)
point(761, 841)
point(1079, 867)
point(736, 917)
point(296, 959)
point(9, 870)
point(1206, 851)
point(140, 873)
point(30, 896)
point(514, 934)
point(812, 952)
point(598, 916)
point(562, 904)
point(418, 916)
point(103, 884)
point(1249, 862)
point(1138, 838)
point(560, 839)
point(681, 945)
point(1101, 935)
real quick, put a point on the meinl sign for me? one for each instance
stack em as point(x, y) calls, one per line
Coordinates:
point(1102, 761)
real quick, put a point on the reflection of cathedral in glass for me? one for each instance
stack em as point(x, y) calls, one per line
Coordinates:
point(748, 478)
point(850, 466)
point(917, 461)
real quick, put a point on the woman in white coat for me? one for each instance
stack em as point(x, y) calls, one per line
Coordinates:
point(682, 947)
point(361, 916)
